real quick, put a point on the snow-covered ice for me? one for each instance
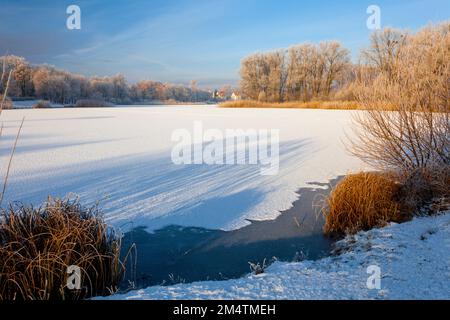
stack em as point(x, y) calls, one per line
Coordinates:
point(122, 157)
point(414, 260)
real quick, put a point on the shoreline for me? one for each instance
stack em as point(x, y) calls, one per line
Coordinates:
point(409, 256)
point(189, 254)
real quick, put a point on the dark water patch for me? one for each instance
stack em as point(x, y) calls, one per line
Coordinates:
point(186, 254)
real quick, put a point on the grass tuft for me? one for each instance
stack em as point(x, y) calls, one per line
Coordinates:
point(6, 102)
point(360, 202)
point(37, 245)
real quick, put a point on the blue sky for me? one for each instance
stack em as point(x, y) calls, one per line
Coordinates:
point(185, 40)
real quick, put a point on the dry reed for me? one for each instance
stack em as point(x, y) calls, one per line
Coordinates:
point(37, 245)
point(360, 202)
point(326, 105)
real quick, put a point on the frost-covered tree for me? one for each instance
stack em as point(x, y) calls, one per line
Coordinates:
point(300, 73)
point(59, 86)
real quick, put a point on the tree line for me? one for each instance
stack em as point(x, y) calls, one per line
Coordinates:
point(300, 73)
point(59, 86)
point(324, 71)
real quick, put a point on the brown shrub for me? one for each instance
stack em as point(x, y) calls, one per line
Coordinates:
point(92, 103)
point(38, 245)
point(360, 202)
point(6, 103)
point(421, 186)
point(42, 104)
point(441, 181)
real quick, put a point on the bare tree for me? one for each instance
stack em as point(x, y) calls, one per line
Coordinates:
point(254, 76)
point(407, 122)
point(4, 88)
point(385, 48)
point(2, 103)
point(277, 75)
point(337, 59)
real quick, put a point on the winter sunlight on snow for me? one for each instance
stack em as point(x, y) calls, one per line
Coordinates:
point(122, 156)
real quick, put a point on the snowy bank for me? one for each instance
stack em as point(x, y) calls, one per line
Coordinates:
point(413, 258)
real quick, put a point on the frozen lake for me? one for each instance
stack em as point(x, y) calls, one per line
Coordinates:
point(122, 157)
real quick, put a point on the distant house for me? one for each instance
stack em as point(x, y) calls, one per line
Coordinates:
point(219, 95)
point(225, 94)
point(235, 96)
point(222, 95)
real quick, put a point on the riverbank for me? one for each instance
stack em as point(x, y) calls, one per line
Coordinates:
point(186, 254)
point(412, 259)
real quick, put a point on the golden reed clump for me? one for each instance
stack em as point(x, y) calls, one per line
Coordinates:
point(38, 245)
point(360, 202)
point(326, 105)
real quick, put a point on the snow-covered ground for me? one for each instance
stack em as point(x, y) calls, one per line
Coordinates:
point(122, 157)
point(413, 259)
